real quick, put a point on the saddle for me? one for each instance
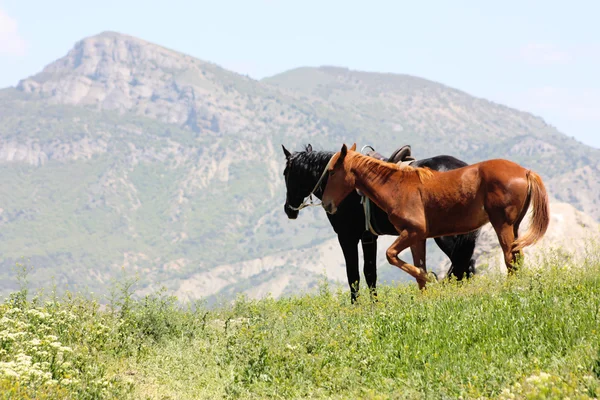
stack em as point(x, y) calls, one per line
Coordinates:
point(401, 156)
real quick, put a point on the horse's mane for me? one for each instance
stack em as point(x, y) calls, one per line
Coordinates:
point(308, 164)
point(385, 169)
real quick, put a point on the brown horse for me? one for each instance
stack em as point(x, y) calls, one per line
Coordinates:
point(422, 203)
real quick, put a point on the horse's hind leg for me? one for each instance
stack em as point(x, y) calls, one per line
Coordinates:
point(463, 254)
point(506, 237)
point(447, 244)
point(518, 255)
point(406, 239)
point(459, 250)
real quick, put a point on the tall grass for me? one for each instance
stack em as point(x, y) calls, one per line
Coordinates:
point(535, 335)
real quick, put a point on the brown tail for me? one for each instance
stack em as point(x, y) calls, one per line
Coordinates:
point(540, 217)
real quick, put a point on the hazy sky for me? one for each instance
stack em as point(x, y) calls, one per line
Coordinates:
point(538, 56)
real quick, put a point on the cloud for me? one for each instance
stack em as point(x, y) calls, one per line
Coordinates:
point(11, 43)
point(544, 54)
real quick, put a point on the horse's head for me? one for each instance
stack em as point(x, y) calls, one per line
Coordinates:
point(341, 180)
point(297, 185)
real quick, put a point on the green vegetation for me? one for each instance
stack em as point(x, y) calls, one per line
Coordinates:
point(124, 190)
point(535, 336)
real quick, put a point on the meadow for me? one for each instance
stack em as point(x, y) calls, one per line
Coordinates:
point(535, 335)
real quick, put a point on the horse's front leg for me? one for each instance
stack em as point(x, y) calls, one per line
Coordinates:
point(349, 245)
point(408, 238)
point(419, 254)
point(418, 251)
point(369, 245)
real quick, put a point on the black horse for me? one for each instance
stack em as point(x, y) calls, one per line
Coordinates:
point(302, 172)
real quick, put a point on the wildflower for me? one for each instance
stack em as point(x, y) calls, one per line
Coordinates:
point(37, 313)
point(24, 358)
point(56, 345)
point(544, 376)
point(9, 372)
point(507, 394)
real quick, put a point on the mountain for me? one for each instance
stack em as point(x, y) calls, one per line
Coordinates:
point(437, 119)
point(124, 155)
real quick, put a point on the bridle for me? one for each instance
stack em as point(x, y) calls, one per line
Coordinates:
point(308, 200)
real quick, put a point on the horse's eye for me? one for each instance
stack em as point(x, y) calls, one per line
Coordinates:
point(331, 173)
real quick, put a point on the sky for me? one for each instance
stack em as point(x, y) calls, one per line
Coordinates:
point(538, 56)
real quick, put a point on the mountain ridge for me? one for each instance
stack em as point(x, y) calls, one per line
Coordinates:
point(128, 155)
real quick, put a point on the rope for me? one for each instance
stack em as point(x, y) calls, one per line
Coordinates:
point(367, 207)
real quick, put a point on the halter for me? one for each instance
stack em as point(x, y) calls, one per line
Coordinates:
point(311, 204)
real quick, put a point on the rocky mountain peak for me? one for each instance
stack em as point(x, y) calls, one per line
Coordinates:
point(106, 56)
point(113, 71)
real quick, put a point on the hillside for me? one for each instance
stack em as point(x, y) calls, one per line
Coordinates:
point(127, 155)
point(91, 184)
point(534, 336)
point(437, 119)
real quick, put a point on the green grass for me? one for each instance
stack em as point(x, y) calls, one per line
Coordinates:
point(534, 336)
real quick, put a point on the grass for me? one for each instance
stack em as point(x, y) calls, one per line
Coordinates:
point(533, 336)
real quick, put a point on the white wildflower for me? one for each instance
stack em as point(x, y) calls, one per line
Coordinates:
point(544, 376)
point(9, 372)
point(37, 313)
point(23, 358)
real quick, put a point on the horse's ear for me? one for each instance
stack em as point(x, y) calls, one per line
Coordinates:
point(353, 148)
point(308, 148)
point(343, 152)
point(286, 152)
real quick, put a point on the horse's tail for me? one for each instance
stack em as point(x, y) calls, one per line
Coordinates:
point(540, 216)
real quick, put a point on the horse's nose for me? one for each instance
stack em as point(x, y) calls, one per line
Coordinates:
point(329, 207)
point(290, 212)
